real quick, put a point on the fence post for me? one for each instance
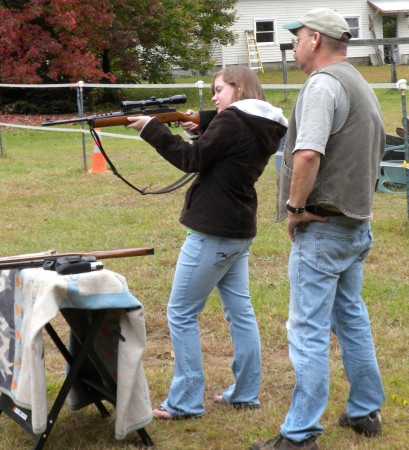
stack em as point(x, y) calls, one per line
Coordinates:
point(401, 84)
point(80, 105)
point(199, 84)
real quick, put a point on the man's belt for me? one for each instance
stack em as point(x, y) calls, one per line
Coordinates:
point(320, 211)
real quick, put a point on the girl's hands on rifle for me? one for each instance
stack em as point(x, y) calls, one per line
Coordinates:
point(137, 122)
point(189, 126)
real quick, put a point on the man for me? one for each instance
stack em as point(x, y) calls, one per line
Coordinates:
point(334, 145)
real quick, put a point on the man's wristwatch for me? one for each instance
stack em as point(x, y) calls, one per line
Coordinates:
point(294, 210)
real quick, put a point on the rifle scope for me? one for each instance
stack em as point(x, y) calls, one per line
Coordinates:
point(130, 105)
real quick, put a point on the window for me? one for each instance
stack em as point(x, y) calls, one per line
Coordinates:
point(354, 26)
point(265, 31)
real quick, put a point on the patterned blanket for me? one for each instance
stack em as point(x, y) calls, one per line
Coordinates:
point(31, 298)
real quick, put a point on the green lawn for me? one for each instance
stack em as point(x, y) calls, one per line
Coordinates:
point(48, 201)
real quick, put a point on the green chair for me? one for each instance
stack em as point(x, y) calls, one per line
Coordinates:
point(392, 177)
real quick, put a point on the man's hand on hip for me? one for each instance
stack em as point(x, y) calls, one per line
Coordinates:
point(294, 219)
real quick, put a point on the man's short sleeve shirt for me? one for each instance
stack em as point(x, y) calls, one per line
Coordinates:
point(321, 109)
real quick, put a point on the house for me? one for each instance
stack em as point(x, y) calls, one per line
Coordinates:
point(368, 19)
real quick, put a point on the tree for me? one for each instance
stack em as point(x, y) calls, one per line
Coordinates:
point(109, 40)
point(53, 40)
point(171, 33)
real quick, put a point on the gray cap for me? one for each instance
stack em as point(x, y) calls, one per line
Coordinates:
point(326, 21)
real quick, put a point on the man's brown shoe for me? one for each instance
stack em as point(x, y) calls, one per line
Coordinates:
point(370, 425)
point(281, 443)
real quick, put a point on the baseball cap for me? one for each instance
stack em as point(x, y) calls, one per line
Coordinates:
point(326, 21)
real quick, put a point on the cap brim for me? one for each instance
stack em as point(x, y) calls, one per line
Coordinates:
point(293, 25)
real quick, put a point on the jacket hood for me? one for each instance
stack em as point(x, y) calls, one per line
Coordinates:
point(261, 109)
point(267, 121)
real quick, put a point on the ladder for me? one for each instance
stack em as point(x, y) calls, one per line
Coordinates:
point(253, 54)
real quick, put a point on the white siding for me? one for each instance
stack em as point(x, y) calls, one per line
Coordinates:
point(217, 52)
point(284, 11)
point(248, 10)
point(403, 31)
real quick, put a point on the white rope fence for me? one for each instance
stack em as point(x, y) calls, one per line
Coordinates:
point(68, 130)
point(199, 85)
point(164, 86)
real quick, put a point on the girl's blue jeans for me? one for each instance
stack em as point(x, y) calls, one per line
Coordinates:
point(206, 262)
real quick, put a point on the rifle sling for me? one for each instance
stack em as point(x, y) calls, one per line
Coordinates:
point(182, 181)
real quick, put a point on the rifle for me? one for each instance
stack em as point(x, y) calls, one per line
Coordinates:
point(137, 108)
point(162, 112)
point(71, 262)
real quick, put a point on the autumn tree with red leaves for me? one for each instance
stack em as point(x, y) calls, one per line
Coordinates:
point(54, 41)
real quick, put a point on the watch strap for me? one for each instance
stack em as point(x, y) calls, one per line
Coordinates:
point(294, 210)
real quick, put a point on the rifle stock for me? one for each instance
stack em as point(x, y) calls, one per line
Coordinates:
point(98, 254)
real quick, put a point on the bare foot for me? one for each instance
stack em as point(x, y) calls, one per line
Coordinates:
point(161, 413)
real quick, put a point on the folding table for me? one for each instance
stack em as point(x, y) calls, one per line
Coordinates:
point(103, 356)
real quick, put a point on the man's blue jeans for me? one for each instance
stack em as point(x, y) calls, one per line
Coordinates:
point(206, 262)
point(326, 272)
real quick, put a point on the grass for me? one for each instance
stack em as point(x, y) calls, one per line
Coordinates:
point(49, 202)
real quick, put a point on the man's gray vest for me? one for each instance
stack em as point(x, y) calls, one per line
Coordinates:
point(348, 171)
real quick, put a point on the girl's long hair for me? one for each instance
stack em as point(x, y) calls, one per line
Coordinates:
point(245, 81)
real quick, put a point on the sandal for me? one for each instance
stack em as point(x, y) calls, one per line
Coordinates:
point(162, 413)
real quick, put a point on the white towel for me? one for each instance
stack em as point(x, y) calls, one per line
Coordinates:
point(31, 298)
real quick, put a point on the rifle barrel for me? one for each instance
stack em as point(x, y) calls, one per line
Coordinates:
point(99, 254)
point(50, 122)
point(21, 264)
